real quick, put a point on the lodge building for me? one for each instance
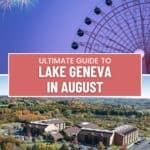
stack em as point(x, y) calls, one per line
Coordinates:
point(88, 136)
point(122, 136)
point(125, 135)
point(45, 126)
point(87, 133)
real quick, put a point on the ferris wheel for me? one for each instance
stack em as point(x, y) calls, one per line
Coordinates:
point(117, 26)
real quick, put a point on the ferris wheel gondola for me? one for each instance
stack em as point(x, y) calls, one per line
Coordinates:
point(121, 26)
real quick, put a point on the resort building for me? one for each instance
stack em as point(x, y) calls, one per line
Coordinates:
point(125, 135)
point(86, 133)
point(122, 136)
point(44, 126)
point(88, 125)
point(72, 131)
point(56, 136)
point(93, 137)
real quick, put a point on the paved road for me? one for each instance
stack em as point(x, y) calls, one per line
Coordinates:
point(145, 145)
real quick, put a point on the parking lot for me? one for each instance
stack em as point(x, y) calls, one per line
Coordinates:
point(143, 144)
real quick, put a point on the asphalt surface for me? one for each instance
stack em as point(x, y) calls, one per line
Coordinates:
point(144, 145)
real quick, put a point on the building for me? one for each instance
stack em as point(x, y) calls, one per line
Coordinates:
point(86, 133)
point(71, 131)
point(44, 126)
point(125, 135)
point(88, 125)
point(55, 136)
point(92, 137)
point(122, 136)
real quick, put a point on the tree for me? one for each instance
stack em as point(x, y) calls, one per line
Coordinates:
point(64, 147)
point(29, 148)
point(67, 112)
point(39, 147)
point(123, 147)
point(90, 148)
point(10, 143)
point(69, 123)
point(35, 147)
point(100, 146)
point(72, 147)
point(23, 147)
point(8, 146)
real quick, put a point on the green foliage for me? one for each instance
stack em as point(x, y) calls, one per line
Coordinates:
point(106, 116)
point(69, 123)
point(72, 147)
point(8, 146)
point(114, 147)
point(10, 143)
point(100, 146)
point(44, 146)
point(64, 147)
point(67, 112)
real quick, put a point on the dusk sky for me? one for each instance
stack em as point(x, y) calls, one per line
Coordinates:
point(48, 26)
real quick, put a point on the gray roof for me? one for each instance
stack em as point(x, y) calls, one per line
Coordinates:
point(49, 121)
point(56, 135)
point(97, 130)
point(88, 125)
point(71, 131)
point(125, 129)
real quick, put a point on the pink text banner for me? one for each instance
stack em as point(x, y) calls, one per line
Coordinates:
point(59, 75)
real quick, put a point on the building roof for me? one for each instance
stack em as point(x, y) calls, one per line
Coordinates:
point(88, 125)
point(125, 129)
point(49, 121)
point(97, 130)
point(56, 135)
point(72, 131)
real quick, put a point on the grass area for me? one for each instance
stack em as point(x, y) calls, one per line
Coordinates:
point(57, 145)
point(114, 147)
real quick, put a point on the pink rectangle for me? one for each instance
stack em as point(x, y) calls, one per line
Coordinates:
point(74, 75)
